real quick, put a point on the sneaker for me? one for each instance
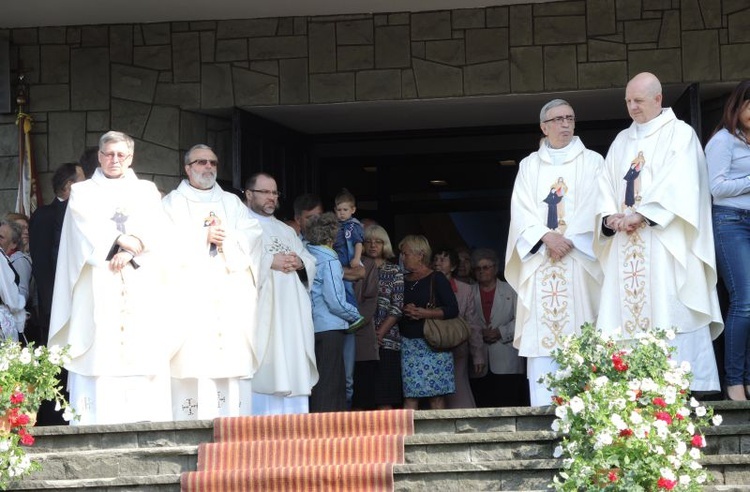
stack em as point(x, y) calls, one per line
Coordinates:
point(354, 327)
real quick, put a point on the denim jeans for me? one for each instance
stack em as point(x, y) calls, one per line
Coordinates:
point(732, 241)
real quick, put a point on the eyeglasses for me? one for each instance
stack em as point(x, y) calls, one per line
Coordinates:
point(110, 156)
point(275, 193)
point(374, 241)
point(559, 119)
point(483, 268)
point(205, 162)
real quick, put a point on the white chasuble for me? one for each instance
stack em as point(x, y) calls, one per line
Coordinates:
point(663, 275)
point(216, 354)
point(116, 323)
point(285, 341)
point(553, 193)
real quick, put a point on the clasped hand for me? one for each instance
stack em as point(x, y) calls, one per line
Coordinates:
point(628, 223)
point(557, 245)
point(286, 262)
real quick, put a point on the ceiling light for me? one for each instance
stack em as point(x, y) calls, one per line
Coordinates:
point(509, 162)
point(438, 182)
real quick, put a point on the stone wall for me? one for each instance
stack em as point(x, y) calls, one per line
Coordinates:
point(150, 79)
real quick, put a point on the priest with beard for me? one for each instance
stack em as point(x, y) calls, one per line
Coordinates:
point(217, 247)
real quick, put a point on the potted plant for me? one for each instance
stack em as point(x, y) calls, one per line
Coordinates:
point(627, 419)
point(28, 375)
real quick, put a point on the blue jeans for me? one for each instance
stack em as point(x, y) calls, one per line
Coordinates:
point(732, 241)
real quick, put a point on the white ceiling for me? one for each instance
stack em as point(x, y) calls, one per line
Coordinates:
point(29, 13)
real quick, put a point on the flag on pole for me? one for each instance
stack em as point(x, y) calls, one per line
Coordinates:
point(29, 194)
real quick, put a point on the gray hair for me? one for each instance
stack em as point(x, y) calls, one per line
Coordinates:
point(322, 229)
point(552, 104)
point(15, 231)
point(484, 254)
point(113, 136)
point(186, 158)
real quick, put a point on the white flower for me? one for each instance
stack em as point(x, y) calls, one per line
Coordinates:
point(695, 453)
point(600, 381)
point(684, 479)
point(694, 465)
point(4, 445)
point(670, 334)
point(603, 439)
point(670, 395)
point(693, 402)
point(717, 419)
point(700, 411)
point(561, 411)
point(579, 359)
point(685, 412)
point(685, 366)
point(618, 422)
point(636, 418)
point(556, 425)
point(25, 356)
point(558, 452)
point(680, 449)
point(659, 450)
point(68, 414)
point(58, 407)
point(691, 428)
point(701, 478)
point(648, 384)
point(667, 473)
point(576, 405)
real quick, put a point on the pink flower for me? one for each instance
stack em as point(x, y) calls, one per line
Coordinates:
point(612, 476)
point(16, 398)
point(665, 483)
point(698, 441)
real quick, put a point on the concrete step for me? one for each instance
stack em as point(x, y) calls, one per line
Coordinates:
point(150, 483)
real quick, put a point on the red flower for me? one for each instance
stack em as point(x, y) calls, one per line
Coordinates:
point(612, 476)
point(620, 365)
point(663, 416)
point(557, 400)
point(593, 367)
point(659, 402)
point(16, 398)
point(698, 441)
point(626, 432)
point(679, 416)
point(26, 438)
point(664, 483)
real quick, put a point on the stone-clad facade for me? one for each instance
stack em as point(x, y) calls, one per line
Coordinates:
point(150, 80)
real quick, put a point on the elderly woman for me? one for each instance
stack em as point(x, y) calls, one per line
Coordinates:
point(377, 381)
point(425, 373)
point(495, 302)
point(728, 158)
point(332, 315)
point(446, 261)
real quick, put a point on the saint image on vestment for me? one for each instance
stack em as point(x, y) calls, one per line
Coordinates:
point(555, 205)
point(633, 180)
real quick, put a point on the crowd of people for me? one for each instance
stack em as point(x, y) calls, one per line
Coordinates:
point(196, 305)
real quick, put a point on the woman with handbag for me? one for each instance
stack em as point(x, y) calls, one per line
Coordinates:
point(728, 158)
point(446, 261)
point(426, 373)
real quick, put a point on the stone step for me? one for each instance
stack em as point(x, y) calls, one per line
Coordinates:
point(731, 472)
point(436, 449)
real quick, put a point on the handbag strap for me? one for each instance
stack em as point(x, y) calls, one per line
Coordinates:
point(431, 302)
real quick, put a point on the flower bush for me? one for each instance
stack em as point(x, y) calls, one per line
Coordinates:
point(28, 375)
point(626, 415)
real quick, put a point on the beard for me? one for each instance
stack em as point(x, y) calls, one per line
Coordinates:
point(205, 180)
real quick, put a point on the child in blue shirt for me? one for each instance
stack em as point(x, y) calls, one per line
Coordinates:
point(350, 237)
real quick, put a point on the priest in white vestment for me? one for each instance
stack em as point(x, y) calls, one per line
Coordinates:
point(110, 300)
point(549, 260)
point(216, 255)
point(285, 340)
point(655, 236)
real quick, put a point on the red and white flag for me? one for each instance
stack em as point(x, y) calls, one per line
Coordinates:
point(29, 194)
